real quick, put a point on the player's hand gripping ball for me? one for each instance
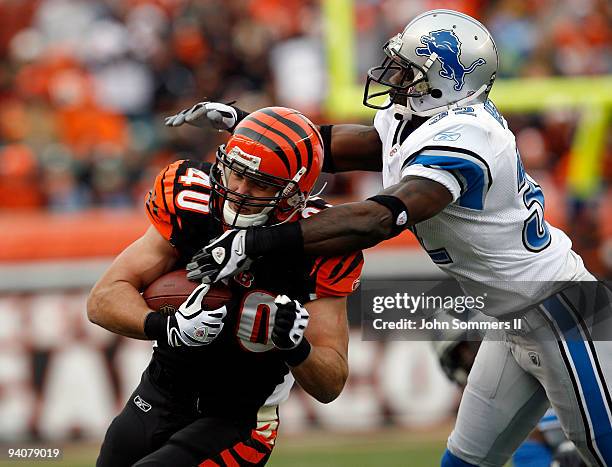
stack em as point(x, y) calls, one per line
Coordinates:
point(193, 324)
point(195, 312)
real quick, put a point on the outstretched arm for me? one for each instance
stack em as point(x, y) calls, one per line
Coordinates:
point(335, 231)
point(351, 147)
point(355, 226)
point(347, 147)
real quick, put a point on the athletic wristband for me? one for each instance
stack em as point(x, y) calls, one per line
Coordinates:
point(240, 115)
point(284, 238)
point(155, 326)
point(328, 161)
point(399, 212)
point(296, 356)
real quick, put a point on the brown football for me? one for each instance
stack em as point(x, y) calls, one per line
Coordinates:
point(169, 291)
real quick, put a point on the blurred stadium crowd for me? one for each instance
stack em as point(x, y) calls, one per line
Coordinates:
point(84, 85)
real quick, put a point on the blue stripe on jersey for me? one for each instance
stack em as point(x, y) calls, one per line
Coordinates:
point(593, 399)
point(472, 175)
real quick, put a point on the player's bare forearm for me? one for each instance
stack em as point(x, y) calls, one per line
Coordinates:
point(324, 373)
point(115, 302)
point(356, 147)
point(356, 226)
point(119, 308)
point(346, 228)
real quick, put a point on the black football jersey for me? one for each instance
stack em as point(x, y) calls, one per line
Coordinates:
point(241, 369)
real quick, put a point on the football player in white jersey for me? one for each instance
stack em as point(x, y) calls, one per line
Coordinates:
point(453, 175)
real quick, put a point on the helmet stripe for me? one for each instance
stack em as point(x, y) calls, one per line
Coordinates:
point(312, 127)
point(282, 135)
point(296, 139)
point(267, 142)
point(299, 130)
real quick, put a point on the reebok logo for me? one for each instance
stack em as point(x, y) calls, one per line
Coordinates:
point(447, 136)
point(142, 404)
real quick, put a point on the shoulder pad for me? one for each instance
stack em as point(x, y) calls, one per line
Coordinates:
point(180, 194)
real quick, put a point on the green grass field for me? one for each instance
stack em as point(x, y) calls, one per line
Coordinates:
point(387, 448)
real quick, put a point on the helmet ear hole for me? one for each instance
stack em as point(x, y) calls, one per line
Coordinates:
point(436, 93)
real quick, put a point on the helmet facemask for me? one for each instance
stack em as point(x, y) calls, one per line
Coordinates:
point(274, 209)
point(402, 78)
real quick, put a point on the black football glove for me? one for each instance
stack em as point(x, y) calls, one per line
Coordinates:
point(221, 258)
point(290, 322)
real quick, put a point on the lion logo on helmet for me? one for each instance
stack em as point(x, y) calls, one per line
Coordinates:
point(447, 47)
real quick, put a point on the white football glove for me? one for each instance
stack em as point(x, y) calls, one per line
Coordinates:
point(206, 114)
point(290, 323)
point(191, 325)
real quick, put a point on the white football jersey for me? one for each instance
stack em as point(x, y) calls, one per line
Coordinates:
point(494, 230)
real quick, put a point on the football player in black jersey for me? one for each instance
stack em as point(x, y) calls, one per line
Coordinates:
point(210, 394)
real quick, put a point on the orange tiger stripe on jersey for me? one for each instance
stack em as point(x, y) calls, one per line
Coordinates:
point(168, 185)
point(337, 276)
point(159, 201)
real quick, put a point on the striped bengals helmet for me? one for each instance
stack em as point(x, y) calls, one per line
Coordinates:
point(275, 146)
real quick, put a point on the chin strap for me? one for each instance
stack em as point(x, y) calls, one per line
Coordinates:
point(310, 196)
point(454, 105)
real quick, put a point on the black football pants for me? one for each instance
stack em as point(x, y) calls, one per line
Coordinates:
point(162, 428)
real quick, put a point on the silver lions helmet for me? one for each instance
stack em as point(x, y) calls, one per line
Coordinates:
point(442, 59)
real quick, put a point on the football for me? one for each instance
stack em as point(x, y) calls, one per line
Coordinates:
point(168, 292)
